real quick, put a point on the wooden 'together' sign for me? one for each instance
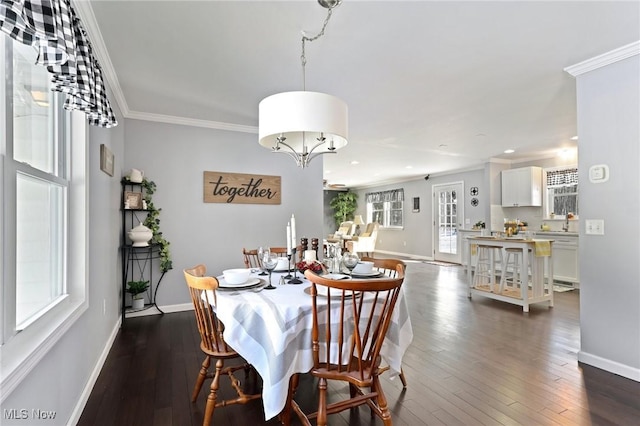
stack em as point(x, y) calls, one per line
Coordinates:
point(239, 188)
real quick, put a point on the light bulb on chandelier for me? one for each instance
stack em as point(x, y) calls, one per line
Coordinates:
point(289, 120)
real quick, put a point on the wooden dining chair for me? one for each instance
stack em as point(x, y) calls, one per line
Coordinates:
point(389, 267)
point(251, 258)
point(349, 326)
point(203, 296)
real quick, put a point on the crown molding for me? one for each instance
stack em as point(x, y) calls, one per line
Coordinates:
point(605, 59)
point(88, 18)
point(170, 119)
point(90, 24)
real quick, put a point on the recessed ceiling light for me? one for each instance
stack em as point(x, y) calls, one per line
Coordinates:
point(409, 167)
point(355, 162)
point(509, 151)
point(574, 138)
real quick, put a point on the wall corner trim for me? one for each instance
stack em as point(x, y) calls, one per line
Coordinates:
point(605, 59)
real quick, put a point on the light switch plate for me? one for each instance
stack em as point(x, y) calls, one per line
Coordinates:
point(594, 226)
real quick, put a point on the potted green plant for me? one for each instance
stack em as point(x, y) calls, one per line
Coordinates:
point(343, 205)
point(136, 289)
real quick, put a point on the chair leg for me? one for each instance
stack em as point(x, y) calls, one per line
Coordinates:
point(321, 420)
point(202, 375)
point(285, 414)
point(381, 402)
point(211, 399)
point(402, 378)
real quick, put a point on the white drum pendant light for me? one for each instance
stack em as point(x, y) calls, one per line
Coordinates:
point(304, 124)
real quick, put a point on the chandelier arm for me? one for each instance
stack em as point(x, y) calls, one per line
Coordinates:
point(317, 154)
point(317, 145)
point(295, 155)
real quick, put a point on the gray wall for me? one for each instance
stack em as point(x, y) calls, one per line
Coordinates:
point(416, 238)
point(59, 381)
point(175, 157)
point(608, 125)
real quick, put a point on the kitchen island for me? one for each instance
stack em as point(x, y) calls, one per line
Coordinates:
point(538, 289)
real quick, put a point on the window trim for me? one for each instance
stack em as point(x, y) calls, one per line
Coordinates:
point(547, 196)
point(22, 351)
point(386, 206)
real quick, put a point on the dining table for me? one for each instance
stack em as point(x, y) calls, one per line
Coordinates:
point(271, 330)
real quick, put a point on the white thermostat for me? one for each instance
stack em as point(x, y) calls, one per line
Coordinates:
point(599, 173)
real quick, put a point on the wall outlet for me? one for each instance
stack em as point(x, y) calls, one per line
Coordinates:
point(594, 226)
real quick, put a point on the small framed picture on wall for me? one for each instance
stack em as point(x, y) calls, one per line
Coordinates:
point(416, 204)
point(106, 160)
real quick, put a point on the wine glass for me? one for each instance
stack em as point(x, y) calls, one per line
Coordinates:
point(269, 261)
point(261, 252)
point(350, 260)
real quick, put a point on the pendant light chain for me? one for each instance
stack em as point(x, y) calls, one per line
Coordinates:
point(303, 57)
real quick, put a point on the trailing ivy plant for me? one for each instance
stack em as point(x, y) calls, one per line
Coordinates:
point(344, 205)
point(153, 222)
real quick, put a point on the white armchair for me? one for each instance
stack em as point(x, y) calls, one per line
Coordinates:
point(345, 231)
point(366, 241)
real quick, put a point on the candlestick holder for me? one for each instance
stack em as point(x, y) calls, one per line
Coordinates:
point(289, 267)
point(295, 279)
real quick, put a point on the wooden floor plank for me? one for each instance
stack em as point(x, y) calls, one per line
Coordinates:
point(471, 362)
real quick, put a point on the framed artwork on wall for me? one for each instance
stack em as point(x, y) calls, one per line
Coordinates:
point(106, 160)
point(416, 204)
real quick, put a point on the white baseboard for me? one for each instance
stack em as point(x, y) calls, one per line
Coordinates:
point(167, 309)
point(88, 388)
point(410, 256)
point(610, 366)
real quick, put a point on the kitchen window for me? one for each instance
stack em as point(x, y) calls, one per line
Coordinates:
point(386, 208)
point(43, 170)
point(562, 192)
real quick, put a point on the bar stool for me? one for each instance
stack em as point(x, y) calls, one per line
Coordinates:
point(512, 276)
point(485, 266)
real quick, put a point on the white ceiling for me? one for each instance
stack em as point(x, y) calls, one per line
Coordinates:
point(431, 86)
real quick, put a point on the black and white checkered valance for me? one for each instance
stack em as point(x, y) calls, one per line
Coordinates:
point(562, 177)
point(55, 31)
point(382, 196)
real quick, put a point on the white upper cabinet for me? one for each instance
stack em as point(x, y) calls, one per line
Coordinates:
point(522, 187)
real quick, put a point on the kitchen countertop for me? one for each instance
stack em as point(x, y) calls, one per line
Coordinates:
point(557, 233)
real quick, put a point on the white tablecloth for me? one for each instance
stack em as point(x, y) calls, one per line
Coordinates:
point(271, 329)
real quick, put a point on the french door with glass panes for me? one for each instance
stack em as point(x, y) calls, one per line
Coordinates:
point(448, 202)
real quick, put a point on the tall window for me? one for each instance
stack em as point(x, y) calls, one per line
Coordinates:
point(386, 208)
point(562, 191)
point(39, 149)
point(44, 213)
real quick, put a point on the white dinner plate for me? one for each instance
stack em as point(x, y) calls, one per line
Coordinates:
point(251, 282)
point(372, 274)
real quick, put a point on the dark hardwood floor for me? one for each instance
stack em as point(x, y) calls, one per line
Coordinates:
point(472, 362)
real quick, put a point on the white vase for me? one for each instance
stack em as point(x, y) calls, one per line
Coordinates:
point(140, 235)
point(137, 303)
point(136, 176)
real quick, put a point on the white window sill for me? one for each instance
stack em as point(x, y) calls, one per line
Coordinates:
point(23, 352)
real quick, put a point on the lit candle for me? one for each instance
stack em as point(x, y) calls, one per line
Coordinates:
point(293, 231)
point(288, 238)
